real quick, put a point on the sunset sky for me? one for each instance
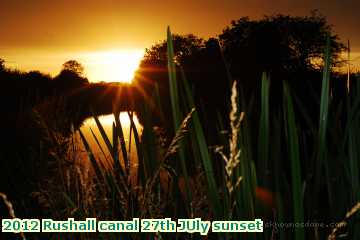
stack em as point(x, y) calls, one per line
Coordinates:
point(41, 35)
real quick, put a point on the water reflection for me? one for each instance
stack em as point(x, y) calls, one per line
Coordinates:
point(98, 145)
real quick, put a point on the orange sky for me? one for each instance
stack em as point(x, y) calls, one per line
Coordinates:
point(38, 34)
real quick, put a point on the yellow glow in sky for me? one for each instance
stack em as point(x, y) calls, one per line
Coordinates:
point(108, 65)
point(112, 65)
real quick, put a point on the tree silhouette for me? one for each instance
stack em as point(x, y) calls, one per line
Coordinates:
point(70, 77)
point(73, 66)
point(283, 46)
point(153, 67)
point(287, 47)
point(203, 66)
point(2, 64)
point(290, 42)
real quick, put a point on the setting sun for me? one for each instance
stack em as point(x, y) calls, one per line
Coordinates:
point(112, 65)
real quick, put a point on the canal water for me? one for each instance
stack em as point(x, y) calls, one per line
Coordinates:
point(98, 145)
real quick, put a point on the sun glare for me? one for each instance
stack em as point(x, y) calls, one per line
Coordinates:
point(112, 66)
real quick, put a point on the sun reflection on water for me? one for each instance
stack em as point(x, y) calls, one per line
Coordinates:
point(98, 145)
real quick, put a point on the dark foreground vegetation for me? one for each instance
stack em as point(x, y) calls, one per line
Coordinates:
point(255, 123)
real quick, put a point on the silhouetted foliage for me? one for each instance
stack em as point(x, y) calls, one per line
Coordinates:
point(202, 64)
point(289, 48)
point(2, 64)
point(25, 143)
point(74, 66)
point(279, 41)
point(70, 77)
point(184, 46)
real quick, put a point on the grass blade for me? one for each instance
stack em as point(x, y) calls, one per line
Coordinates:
point(263, 147)
point(175, 105)
point(204, 153)
point(294, 155)
point(120, 135)
point(91, 156)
